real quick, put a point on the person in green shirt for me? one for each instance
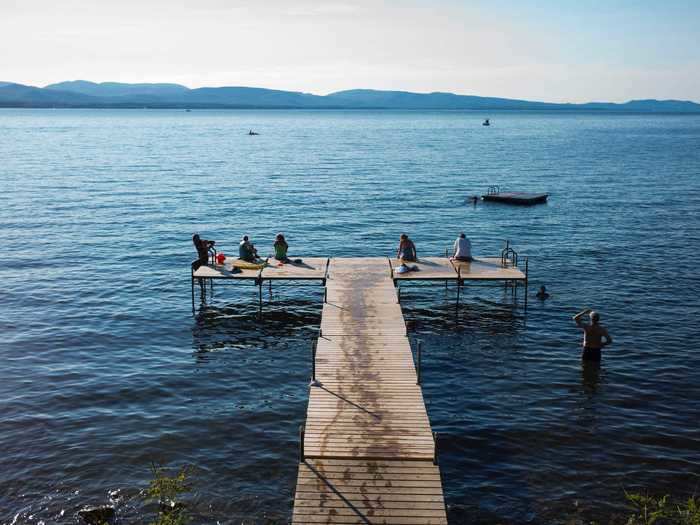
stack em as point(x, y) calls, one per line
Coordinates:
point(281, 248)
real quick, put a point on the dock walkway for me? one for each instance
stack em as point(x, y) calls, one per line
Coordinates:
point(368, 449)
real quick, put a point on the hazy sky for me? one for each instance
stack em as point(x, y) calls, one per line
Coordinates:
point(545, 50)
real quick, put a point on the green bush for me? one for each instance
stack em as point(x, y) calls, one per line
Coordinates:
point(652, 510)
point(165, 489)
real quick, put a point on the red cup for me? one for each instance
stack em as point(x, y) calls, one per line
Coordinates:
point(220, 258)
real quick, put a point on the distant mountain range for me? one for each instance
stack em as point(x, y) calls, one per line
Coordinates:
point(84, 94)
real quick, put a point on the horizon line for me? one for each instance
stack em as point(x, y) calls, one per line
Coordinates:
point(456, 93)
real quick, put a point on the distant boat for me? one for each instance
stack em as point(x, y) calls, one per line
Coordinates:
point(188, 110)
point(495, 194)
point(486, 123)
point(251, 132)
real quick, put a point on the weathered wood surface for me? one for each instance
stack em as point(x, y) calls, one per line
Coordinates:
point(369, 492)
point(350, 274)
point(223, 271)
point(444, 269)
point(429, 268)
point(310, 268)
point(367, 438)
point(488, 269)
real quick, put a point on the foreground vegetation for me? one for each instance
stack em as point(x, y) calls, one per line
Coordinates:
point(654, 510)
point(168, 486)
point(165, 489)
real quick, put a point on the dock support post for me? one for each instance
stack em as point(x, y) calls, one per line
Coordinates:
point(302, 456)
point(459, 283)
point(313, 363)
point(398, 295)
point(435, 448)
point(325, 294)
point(260, 284)
point(419, 351)
point(192, 294)
point(270, 283)
point(526, 279)
point(527, 272)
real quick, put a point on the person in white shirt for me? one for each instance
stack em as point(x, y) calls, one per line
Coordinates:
point(462, 249)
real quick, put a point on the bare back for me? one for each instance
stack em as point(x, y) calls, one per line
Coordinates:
point(593, 335)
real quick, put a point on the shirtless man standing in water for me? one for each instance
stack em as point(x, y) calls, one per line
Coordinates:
point(593, 335)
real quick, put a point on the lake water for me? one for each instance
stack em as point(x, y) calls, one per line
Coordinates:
point(105, 369)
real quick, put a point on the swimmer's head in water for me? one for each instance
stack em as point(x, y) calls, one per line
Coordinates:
point(543, 289)
point(595, 317)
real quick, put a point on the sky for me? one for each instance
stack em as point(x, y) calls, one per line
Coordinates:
point(559, 51)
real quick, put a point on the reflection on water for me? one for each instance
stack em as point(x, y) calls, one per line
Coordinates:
point(590, 377)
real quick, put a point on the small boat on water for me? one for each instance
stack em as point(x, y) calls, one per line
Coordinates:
point(486, 122)
point(251, 132)
point(494, 194)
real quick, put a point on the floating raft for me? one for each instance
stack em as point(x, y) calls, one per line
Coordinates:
point(516, 197)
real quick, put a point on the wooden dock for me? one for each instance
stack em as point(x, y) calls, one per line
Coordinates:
point(444, 269)
point(368, 452)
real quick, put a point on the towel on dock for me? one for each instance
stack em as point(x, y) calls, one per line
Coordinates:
point(404, 268)
point(246, 265)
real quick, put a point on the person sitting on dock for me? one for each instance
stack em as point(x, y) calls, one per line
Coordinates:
point(595, 335)
point(246, 250)
point(542, 294)
point(407, 250)
point(281, 248)
point(202, 246)
point(462, 249)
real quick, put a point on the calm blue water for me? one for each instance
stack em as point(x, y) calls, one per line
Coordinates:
point(105, 369)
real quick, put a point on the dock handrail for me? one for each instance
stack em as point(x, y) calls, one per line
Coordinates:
point(302, 456)
point(325, 274)
point(509, 254)
point(493, 190)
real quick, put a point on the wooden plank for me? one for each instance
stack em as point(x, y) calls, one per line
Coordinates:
point(225, 272)
point(311, 268)
point(488, 269)
point(429, 269)
point(367, 435)
point(359, 491)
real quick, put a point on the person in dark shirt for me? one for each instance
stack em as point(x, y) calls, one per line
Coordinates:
point(247, 251)
point(202, 246)
point(406, 249)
